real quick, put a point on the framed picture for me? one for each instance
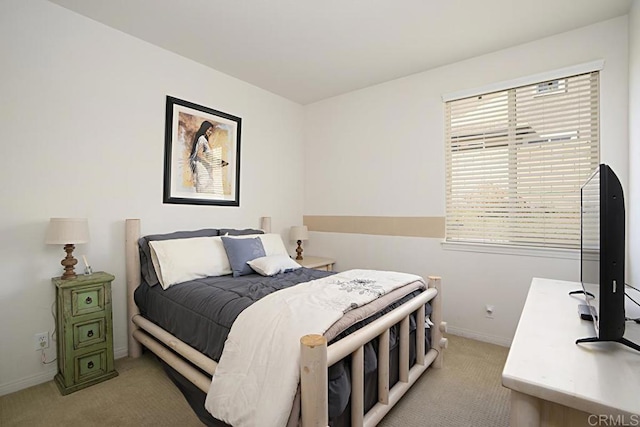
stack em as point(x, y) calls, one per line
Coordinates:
point(202, 155)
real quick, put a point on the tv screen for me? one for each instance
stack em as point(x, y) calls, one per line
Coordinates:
point(602, 253)
point(590, 229)
point(590, 235)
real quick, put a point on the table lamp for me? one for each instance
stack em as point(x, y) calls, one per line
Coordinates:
point(299, 233)
point(68, 232)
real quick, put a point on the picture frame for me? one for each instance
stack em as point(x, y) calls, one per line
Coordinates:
point(202, 155)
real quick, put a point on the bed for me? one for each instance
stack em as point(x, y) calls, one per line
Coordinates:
point(402, 348)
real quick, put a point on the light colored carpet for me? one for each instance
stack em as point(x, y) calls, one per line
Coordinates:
point(141, 395)
point(466, 392)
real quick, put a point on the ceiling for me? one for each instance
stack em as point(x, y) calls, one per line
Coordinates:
point(307, 51)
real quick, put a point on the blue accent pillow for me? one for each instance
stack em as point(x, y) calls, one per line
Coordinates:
point(241, 251)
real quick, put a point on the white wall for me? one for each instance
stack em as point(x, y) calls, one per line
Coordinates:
point(82, 128)
point(633, 197)
point(82, 132)
point(380, 152)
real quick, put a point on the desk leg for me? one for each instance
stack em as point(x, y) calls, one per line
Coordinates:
point(525, 410)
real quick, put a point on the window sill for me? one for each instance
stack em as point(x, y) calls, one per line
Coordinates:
point(529, 251)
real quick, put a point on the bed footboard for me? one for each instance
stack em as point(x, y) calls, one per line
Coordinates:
point(316, 357)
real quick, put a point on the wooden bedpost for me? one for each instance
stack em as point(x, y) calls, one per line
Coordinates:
point(132, 234)
point(314, 381)
point(438, 342)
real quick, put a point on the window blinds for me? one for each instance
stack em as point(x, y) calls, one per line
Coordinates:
point(515, 162)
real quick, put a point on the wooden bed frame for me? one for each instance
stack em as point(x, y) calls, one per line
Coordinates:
point(315, 355)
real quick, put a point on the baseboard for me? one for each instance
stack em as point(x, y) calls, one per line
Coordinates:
point(48, 375)
point(492, 339)
point(29, 381)
point(119, 353)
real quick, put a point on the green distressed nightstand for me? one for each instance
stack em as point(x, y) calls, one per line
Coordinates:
point(84, 331)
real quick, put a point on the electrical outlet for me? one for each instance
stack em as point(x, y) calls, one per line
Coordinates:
point(41, 341)
point(489, 311)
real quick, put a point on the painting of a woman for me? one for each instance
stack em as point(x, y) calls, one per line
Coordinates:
point(202, 155)
point(206, 162)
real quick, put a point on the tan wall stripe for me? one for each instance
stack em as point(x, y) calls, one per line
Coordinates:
point(410, 226)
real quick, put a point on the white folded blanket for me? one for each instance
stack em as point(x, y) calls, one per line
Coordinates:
point(256, 379)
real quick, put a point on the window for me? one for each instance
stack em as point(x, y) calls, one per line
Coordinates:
point(515, 161)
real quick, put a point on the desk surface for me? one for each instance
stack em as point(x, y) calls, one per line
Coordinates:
point(545, 362)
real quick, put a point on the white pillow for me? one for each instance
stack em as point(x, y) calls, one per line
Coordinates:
point(271, 242)
point(180, 260)
point(274, 264)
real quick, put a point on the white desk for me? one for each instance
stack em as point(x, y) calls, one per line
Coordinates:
point(553, 381)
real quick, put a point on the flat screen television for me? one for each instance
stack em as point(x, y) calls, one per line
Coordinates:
point(602, 253)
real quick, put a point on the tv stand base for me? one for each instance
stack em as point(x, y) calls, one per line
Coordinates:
point(623, 341)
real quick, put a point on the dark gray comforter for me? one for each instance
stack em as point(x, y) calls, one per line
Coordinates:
point(201, 313)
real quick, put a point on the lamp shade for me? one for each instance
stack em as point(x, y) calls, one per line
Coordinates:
point(299, 232)
point(63, 231)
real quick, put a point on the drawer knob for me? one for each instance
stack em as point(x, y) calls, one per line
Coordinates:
point(90, 333)
point(90, 365)
point(88, 300)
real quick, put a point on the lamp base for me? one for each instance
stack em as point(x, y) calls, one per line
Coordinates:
point(69, 262)
point(299, 250)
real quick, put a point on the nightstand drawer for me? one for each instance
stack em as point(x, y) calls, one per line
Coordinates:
point(90, 365)
point(88, 333)
point(87, 300)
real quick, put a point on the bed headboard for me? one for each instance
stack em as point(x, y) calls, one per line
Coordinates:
point(132, 264)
